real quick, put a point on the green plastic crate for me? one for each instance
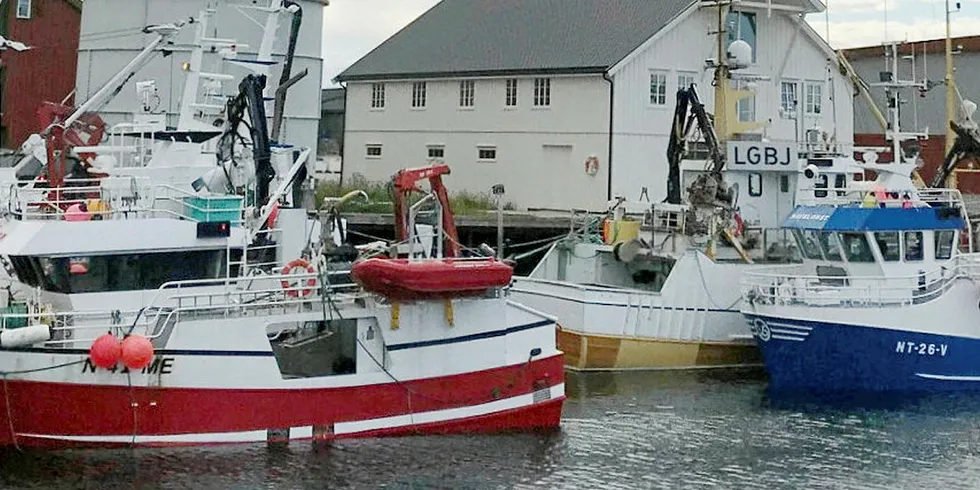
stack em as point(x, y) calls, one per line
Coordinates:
point(211, 209)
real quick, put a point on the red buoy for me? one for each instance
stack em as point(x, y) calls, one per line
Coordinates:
point(137, 351)
point(105, 351)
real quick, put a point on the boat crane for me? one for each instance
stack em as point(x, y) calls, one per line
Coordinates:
point(405, 181)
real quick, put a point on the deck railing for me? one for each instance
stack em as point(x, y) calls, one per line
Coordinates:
point(119, 198)
point(829, 287)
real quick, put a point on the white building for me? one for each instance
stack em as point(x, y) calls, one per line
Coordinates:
point(112, 35)
point(524, 92)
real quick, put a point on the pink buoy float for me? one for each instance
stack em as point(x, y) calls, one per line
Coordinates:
point(137, 351)
point(105, 351)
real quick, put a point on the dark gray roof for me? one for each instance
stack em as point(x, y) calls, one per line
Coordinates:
point(332, 100)
point(472, 37)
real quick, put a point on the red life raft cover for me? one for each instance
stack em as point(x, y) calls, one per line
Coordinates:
point(430, 278)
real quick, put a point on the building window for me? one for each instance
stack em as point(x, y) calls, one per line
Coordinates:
point(23, 9)
point(437, 152)
point(377, 96)
point(373, 151)
point(658, 88)
point(418, 95)
point(741, 26)
point(542, 92)
point(787, 100)
point(511, 97)
point(685, 80)
point(466, 90)
point(486, 153)
point(814, 98)
point(746, 106)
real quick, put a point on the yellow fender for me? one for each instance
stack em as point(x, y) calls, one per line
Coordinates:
point(395, 313)
point(449, 312)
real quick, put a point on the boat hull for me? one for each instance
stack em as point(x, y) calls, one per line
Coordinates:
point(58, 415)
point(595, 353)
point(812, 356)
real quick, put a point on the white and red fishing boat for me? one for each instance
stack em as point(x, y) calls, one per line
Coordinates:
point(158, 315)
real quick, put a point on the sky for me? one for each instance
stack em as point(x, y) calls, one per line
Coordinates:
point(352, 28)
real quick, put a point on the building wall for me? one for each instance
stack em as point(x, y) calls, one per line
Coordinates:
point(641, 130)
point(44, 73)
point(540, 152)
point(111, 36)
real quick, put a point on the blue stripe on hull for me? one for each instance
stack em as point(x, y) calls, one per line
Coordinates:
point(832, 357)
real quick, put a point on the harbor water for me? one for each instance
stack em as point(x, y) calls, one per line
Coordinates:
point(620, 430)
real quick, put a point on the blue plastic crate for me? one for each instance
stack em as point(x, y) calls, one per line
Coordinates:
point(211, 209)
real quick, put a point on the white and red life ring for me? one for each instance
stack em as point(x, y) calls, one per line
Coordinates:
point(298, 266)
point(592, 165)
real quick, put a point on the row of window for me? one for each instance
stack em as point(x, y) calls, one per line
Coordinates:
point(484, 153)
point(467, 94)
point(789, 91)
point(893, 245)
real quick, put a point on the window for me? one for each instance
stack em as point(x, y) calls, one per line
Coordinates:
point(486, 153)
point(374, 151)
point(542, 92)
point(830, 246)
point(821, 183)
point(746, 109)
point(658, 88)
point(784, 183)
point(856, 247)
point(741, 26)
point(510, 99)
point(814, 98)
point(418, 95)
point(913, 246)
point(755, 184)
point(787, 100)
point(23, 9)
point(685, 79)
point(944, 243)
point(437, 151)
point(888, 245)
point(466, 90)
point(808, 243)
point(377, 96)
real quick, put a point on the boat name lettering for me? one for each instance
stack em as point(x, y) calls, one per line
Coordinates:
point(160, 365)
point(759, 155)
point(811, 216)
point(921, 348)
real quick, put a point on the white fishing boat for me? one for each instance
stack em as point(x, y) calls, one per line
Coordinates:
point(656, 288)
point(886, 298)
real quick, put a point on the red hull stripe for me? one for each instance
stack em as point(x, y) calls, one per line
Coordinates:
point(469, 338)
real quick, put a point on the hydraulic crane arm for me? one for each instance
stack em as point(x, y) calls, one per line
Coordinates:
point(250, 98)
point(405, 181)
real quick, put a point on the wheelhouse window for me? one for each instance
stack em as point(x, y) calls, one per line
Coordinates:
point(888, 245)
point(944, 243)
point(830, 246)
point(755, 184)
point(856, 247)
point(122, 272)
point(913, 246)
point(808, 243)
point(820, 186)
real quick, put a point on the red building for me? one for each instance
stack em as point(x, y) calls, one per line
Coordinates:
point(46, 72)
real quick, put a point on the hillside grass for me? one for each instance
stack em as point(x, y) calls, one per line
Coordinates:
point(380, 195)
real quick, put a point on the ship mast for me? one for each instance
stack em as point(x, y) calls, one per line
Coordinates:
point(950, 96)
point(721, 80)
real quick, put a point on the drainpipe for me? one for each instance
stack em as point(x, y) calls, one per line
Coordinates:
point(609, 183)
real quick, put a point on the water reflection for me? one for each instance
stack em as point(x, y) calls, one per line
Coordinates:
point(709, 429)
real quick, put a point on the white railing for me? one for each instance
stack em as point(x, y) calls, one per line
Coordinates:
point(119, 198)
point(795, 285)
point(838, 196)
point(251, 296)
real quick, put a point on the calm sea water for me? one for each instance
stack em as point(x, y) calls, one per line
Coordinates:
point(634, 430)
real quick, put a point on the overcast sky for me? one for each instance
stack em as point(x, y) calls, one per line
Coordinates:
point(352, 28)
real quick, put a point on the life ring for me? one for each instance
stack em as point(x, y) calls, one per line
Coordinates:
point(592, 165)
point(291, 287)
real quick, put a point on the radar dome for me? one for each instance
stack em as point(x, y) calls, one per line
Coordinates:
point(740, 54)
